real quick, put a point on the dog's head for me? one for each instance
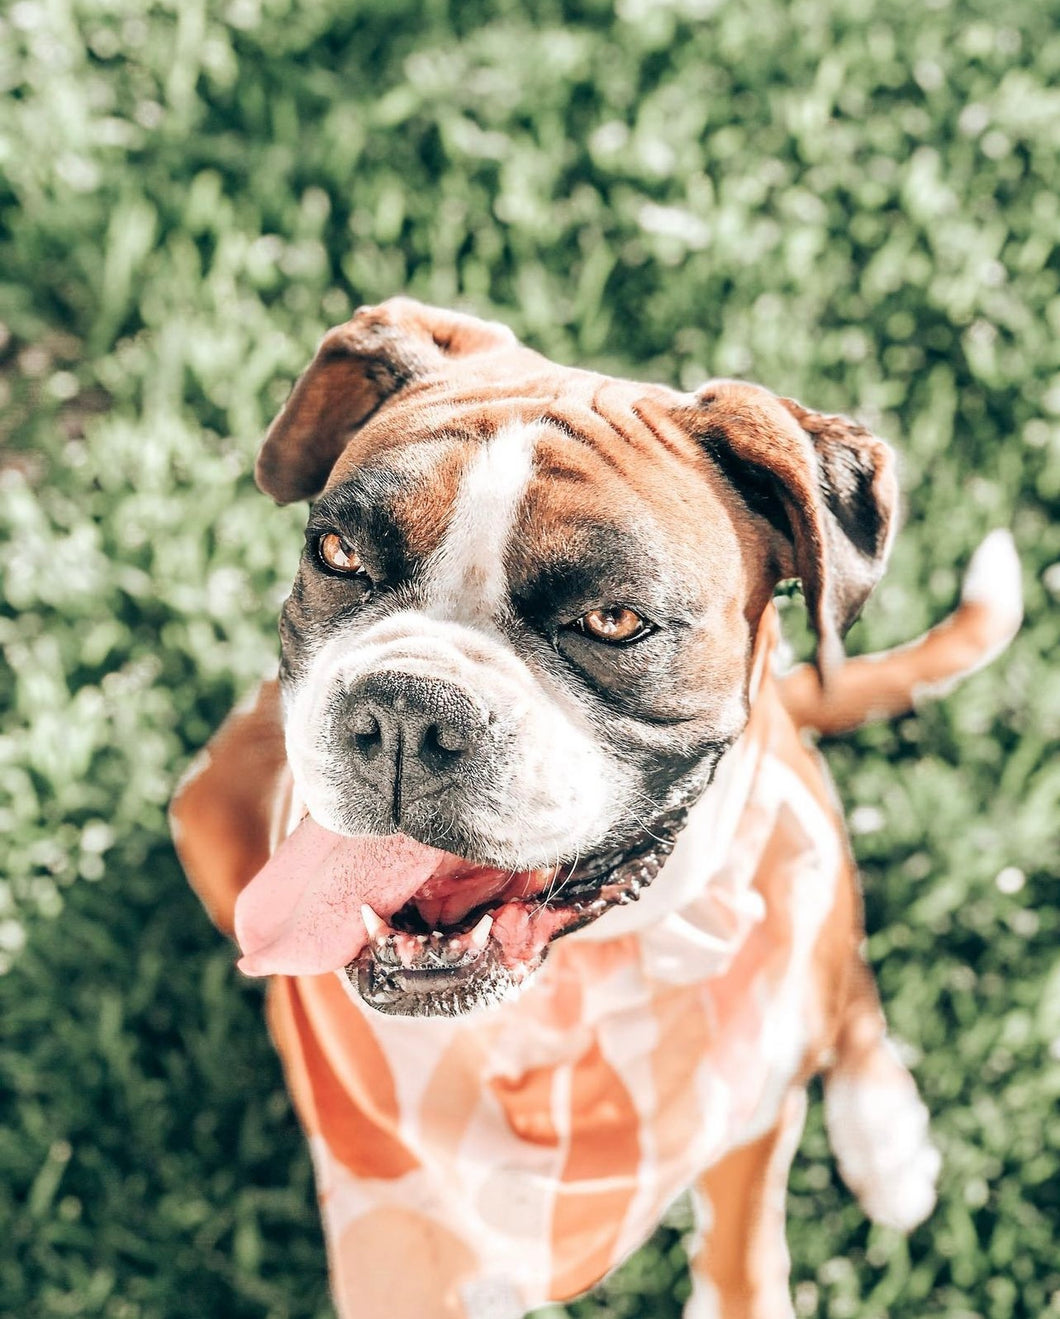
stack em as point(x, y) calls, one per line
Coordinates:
point(519, 638)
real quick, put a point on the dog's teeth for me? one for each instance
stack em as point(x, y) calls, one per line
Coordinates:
point(480, 935)
point(384, 947)
point(456, 945)
point(375, 925)
point(599, 905)
point(421, 939)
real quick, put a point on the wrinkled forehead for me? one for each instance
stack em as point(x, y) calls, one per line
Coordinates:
point(597, 482)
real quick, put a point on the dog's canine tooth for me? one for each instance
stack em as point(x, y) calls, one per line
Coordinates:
point(374, 924)
point(480, 935)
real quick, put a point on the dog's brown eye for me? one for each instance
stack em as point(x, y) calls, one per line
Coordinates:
point(615, 625)
point(338, 554)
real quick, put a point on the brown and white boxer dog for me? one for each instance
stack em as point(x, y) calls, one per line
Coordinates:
point(527, 679)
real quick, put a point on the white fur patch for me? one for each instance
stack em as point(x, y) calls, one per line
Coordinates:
point(993, 576)
point(465, 575)
point(704, 1301)
point(992, 582)
point(879, 1133)
point(491, 1298)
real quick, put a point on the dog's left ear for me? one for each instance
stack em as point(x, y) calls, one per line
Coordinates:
point(358, 369)
point(826, 484)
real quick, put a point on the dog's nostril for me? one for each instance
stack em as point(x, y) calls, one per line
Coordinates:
point(367, 735)
point(364, 723)
point(441, 745)
point(447, 737)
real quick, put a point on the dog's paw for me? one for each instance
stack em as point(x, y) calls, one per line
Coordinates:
point(879, 1133)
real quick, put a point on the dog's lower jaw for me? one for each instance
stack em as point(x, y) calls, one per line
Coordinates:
point(427, 980)
point(402, 992)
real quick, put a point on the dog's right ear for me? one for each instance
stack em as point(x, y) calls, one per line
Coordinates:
point(358, 368)
point(826, 484)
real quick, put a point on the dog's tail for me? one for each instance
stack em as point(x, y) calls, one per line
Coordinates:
point(892, 682)
point(877, 1122)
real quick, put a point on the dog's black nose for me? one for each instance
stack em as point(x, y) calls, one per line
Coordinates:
point(411, 735)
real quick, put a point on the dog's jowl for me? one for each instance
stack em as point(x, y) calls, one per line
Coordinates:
point(557, 908)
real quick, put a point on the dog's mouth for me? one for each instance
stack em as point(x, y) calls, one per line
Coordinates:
point(419, 931)
point(471, 935)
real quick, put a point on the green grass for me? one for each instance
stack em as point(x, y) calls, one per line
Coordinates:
point(855, 203)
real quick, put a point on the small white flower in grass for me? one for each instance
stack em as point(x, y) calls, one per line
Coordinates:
point(1010, 880)
point(12, 936)
point(1025, 922)
point(866, 820)
point(97, 836)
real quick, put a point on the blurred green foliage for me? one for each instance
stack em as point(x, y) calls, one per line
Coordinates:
point(855, 202)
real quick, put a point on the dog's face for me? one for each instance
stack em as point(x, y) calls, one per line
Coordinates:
point(520, 634)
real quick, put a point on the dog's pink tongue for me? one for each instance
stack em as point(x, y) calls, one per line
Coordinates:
point(301, 913)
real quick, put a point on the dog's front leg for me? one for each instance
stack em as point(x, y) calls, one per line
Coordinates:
point(740, 1264)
